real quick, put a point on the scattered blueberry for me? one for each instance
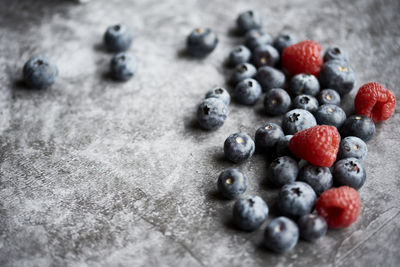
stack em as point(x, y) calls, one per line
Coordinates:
point(352, 147)
point(249, 20)
point(283, 41)
point(359, 126)
point(282, 170)
point(201, 42)
point(268, 135)
point(296, 199)
point(239, 54)
point(312, 227)
point(337, 75)
point(350, 172)
point(328, 114)
point(281, 235)
point(232, 183)
point(265, 55)
point(250, 212)
point(118, 38)
point(305, 84)
point(255, 38)
point(243, 71)
point(247, 91)
point(211, 113)
point(297, 120)
point(39, 72)
point(306, 102)
point(335, 53)
point(270, 78)
point(239, 147)
point(319, 178)
point(329, 96)
point(282, 146)
point(220, 93)
point(277, 101)
point(123, 66)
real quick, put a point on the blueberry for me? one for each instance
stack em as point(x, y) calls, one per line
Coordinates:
point(337, 75)
point(282, 146)
point(250, 212)
point(319, 178)
point(329, 96)
point(359, 126)
point(352, 147)
point(277, 102)
point(247, 91)
point(330, 115)
point(243, 71)
point(296, 199)
point(281, 235)
point(335, 53)
point(312, 227)
point(239, 54)
point(249, 20)
point(270, 78)
point(123, 66)
point(118, 38)
point(283, 41)
point(221, 93)
point(201, 42)
point(232, 183)
point(268, 135)
point(297, 120)
point(239, 147)
point(39, 72)
point(265, 55)
point(282, 170)
point(305, 84)
point(306, 102)
point(211, 113)
point(350, 172)
point(255, 38)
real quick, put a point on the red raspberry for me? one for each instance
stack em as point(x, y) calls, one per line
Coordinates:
point(375, 101)
point(303, 57)
point(318, 145)
point(339, 206)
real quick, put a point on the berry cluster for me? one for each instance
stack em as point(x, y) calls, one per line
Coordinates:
point(320, 152)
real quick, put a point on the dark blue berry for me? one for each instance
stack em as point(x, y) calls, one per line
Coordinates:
point(283, 41)
point(350, 172)
point(270, 78)
point(352, 147)
point(232, 183)
point(211, 113)
point(201, 42)
point(319, 178)
point(296, 199)
point(247, 92)
point(250, 212)
point(255, 38)
point(337, 75)
point(282, 170)
point(118, 38)
point(265, 55)
point(329, 96)
point(249, 20)
point(304, 84)
point(239, 147)
point(306, 102)
point(221, 93)
point(281, 235)
point(239, 54)
point(39, 72)
point(359, 126)
point(277, 101)
point(268, 135)
point(243, 71)
point(330, 115)
point(297, 120)
point(123, 66)
point(312, 227)
point(335, 53)
point(282, 146)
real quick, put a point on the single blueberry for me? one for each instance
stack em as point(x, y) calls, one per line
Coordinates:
point(123, 66)
point(305, 84)
point(211, 113)
point(352, 147)
point(250, 212)
point(268, 135)
point(297, 120)
point(283, 41)
point(239, 54)
point(232, 183)
point(249, 20)
point(247, 92)
point(350, 172)
point(335, 53)
point(243, 71)
point(359, 126)
point(118, 38)
point(306, 102)
point(265, 55)
point(296, 199)
point(221, 93)
point(39, 72)
point(255, 38)
point(330, 115)
point(201, 42)
point(337, 75)
point(282, 146)
point(270, 78)
point(329, 96)
point(282, 170)
point(281, 235)
point(239, 147)
point(312, 227)
point(277, 101)
point(319, 178)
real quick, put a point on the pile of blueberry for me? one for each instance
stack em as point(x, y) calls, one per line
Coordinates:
point(319, 151)
point(40, 72)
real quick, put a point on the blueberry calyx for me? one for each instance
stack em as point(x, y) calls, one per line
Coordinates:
point(206, 110)
point(294, 117)
point(304, 100)
point(297, 191)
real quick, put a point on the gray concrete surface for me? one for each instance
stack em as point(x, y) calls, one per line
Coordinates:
point(98, 173)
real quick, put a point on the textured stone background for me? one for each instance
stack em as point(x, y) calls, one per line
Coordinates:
point(98, 173)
